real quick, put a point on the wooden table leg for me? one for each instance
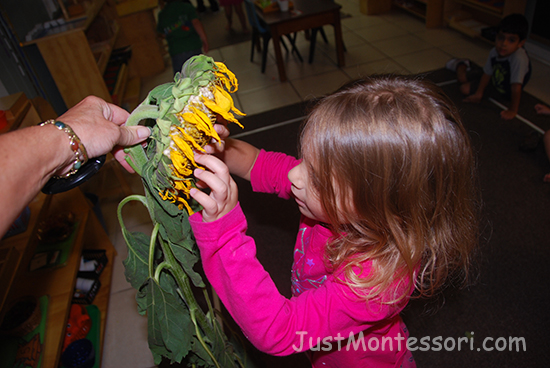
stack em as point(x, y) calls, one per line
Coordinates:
point(339, 40)
point(278, 54)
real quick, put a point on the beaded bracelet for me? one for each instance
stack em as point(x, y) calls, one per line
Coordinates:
point(80, 154)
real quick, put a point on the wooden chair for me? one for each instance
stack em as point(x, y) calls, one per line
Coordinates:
point(261, 30)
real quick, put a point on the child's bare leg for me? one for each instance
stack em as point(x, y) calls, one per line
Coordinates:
point(229, 16)
point(462, 76)
point(242, 18)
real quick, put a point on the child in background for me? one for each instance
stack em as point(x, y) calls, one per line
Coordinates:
point(178, 22)
point(386, 190)
point(508, 67)
point(228, 7)
point(214, 6)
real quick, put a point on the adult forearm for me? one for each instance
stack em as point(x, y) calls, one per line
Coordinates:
point(29, 158)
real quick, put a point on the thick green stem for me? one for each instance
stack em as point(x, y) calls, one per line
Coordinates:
point(199, 337)
point(142, 112)
point(134, 197)
point(137, 157)
point(211, 310)
point(183, 282)
point(158, 270)
point(152, 243)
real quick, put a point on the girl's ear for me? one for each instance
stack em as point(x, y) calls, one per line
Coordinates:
point(521, 43)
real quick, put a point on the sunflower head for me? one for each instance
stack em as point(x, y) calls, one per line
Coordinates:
point(188, 110)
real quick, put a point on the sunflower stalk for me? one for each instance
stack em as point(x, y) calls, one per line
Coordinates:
point(181, 116)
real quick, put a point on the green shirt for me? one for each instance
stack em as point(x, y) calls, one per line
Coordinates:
point(174, 21)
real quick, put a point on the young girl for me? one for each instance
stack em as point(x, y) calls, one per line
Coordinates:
point(385, 186)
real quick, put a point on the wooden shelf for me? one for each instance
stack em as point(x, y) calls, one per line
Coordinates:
point(16, 246)
point(471, 16)
point(417, 8)
point(429, 10)
point(77, 57)
point(102, 50)
point(58, 283)
point(132, 94)
point(469, 27)
point(127, 7)
point(120, 85)
point(485, 6)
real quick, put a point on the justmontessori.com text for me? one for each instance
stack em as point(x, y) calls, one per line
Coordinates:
point(397, 343)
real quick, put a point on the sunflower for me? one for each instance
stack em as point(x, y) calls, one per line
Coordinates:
point(211, 85)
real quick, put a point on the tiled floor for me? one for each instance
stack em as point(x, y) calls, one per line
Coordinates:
point(395, 42)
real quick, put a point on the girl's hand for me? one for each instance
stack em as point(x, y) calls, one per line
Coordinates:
point(224, 194)
point(216, 147)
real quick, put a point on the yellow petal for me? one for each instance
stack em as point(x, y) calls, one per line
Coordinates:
point(227, 77)
point(179, 164)
point(190, 140)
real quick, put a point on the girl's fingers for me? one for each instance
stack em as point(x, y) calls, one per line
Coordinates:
point(223, 196)
point(204, 199)
point(216, 146)
point(213, 181)
point(222, 130)
point(214, 164)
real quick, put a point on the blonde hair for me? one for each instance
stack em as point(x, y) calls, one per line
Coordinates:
point(394, 171)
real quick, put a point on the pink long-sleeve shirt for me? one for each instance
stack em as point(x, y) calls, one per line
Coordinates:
point(324, 316)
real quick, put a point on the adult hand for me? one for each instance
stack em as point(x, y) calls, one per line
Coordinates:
point(224, 193)
point(100, 127)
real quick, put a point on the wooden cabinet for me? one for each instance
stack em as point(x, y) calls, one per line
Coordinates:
point(19, 110)
point(57, 283)
point(76, 52)
point(429, 10)
point(138, 28)
point(471, 16)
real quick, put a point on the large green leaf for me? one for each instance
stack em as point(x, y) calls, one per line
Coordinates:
point(136, 264)
point(188, 258)
point(168, 323)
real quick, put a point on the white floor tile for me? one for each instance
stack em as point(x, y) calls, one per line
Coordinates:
point(118, 281)
point(401, 45)
point(362, 22)
point(268, 98)
point(385, 66)
point(359, 55)
point(318, 86)
point(423, 61)
point(439, 36)
point(126, 334)
point(467, 48)
point(381, 31)
point(252, 78)
point(405, 21)
point(321, 64)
